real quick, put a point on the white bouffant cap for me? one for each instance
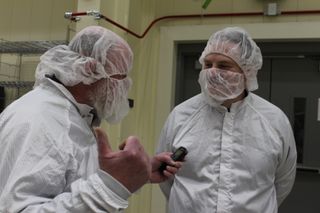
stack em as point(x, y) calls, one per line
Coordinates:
point(235, 43)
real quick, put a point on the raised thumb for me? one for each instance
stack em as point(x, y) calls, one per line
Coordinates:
point(103, 142)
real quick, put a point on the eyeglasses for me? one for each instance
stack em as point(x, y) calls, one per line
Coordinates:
point(118, 76)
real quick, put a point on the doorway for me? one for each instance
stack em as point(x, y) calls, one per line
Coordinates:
point(290, 79)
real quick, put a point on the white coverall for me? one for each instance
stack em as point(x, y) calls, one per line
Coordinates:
point(242, 161)
point(49, 157)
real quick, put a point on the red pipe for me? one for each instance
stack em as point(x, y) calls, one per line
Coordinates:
point(72, 15)
point(177, 16)
point(79, 13)
point(303, 12)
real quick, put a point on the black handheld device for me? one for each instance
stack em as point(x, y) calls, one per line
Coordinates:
point(178, 155)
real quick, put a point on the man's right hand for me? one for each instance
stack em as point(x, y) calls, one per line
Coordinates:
point(130, 166)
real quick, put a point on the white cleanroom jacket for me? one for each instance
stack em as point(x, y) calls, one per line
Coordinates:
point(239, 161)
point(49, 157)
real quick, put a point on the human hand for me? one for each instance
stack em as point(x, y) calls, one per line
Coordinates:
point(171, 169)
point(130, 165)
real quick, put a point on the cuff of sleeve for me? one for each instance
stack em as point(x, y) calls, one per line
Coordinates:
point(114, 185)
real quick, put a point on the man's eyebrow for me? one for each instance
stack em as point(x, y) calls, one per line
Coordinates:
point(225, 62)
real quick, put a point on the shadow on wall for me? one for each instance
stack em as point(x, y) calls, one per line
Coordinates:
point(2, 98)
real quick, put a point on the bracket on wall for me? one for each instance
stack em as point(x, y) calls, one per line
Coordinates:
point(131, 103)
point(271, 9)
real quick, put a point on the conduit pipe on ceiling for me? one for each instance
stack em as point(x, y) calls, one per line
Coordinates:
point(74, 16)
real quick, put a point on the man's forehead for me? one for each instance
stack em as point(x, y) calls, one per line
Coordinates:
point(218, 57)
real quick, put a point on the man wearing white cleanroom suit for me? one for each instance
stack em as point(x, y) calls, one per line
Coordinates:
point(242, 154)
point(50, 159)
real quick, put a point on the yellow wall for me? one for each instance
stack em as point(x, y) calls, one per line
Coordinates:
point(29, 20)
point(34, 19)
point(154, 55)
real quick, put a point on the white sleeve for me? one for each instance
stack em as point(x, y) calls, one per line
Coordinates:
point(286, 170)
point(165, 145)
point(91, 195)
point(39, 181)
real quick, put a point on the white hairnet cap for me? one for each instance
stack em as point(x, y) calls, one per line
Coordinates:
point(93, 53)
point(235, 43)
